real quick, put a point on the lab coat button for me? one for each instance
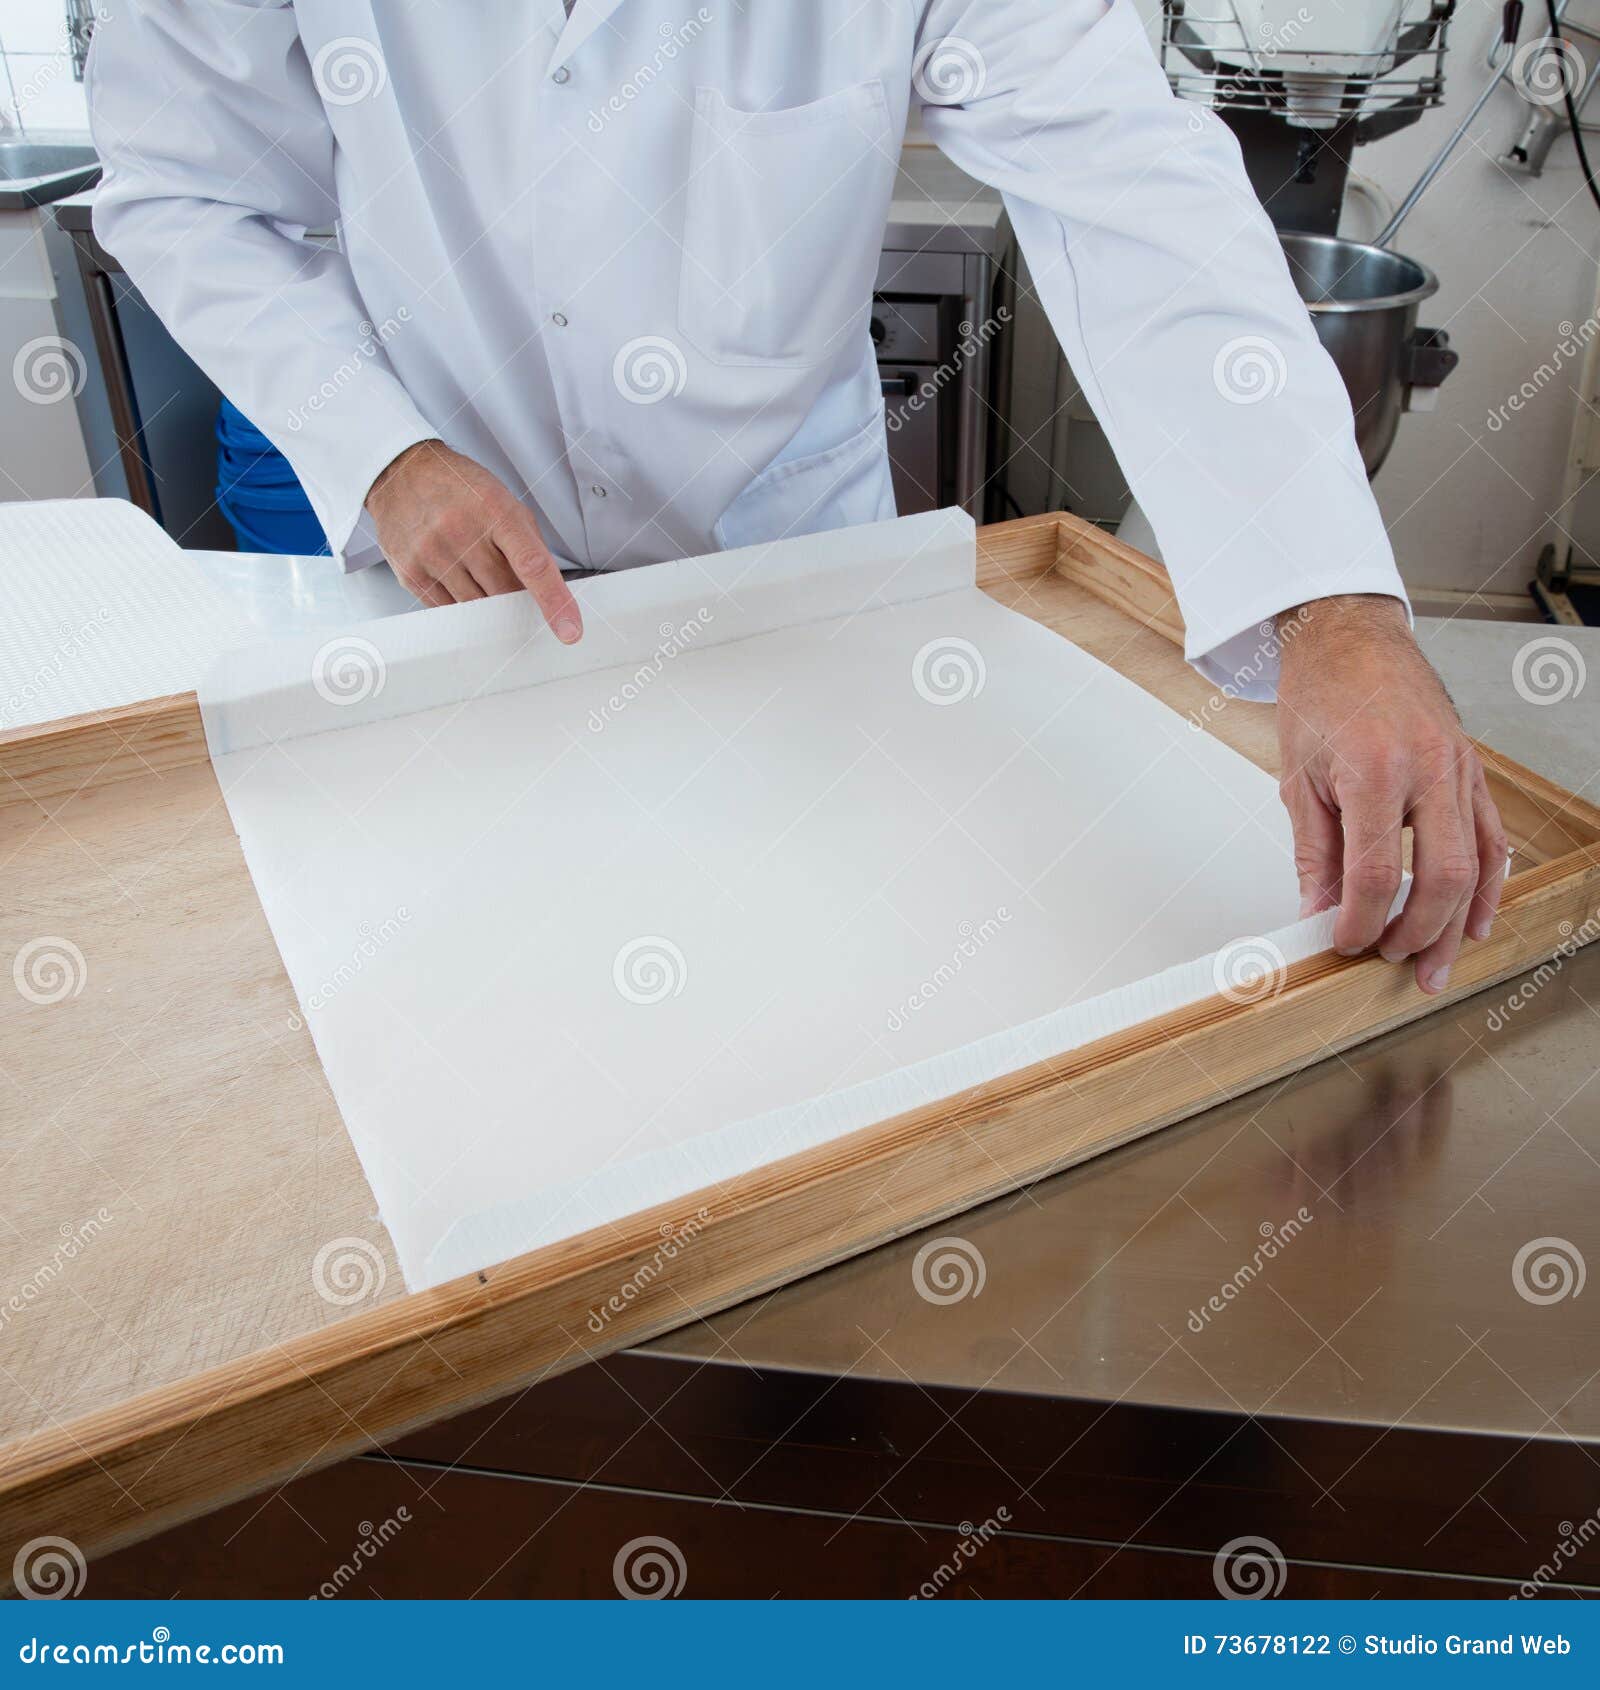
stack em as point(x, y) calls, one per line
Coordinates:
point(598, 491)
point(561, 74)
point(559, 319)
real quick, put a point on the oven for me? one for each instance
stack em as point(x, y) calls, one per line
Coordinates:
point(936, 336)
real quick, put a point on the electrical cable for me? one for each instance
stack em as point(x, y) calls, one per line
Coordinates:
point(1572, 108)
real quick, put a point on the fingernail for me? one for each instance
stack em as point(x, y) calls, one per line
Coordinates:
point(1392, 955)
point(1478, 928)
point(1437, 980)
point(568, 629)
point(1348, 950)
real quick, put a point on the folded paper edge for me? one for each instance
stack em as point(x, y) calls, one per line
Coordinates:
point(395, 666)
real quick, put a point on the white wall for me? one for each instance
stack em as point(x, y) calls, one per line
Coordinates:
point(1515, 257)
point(37, 91)
point(42, 451)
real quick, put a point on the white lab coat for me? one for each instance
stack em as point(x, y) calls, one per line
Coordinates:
point(625, 259)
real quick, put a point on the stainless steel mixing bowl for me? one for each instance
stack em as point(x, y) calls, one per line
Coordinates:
point(1363, 301)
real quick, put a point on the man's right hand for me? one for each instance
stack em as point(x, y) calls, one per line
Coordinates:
point(452, 531)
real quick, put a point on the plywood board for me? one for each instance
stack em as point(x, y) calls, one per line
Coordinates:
point(241, 1371)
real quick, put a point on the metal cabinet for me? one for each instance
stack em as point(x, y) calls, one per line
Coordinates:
point(940, 321)
point(163, 406)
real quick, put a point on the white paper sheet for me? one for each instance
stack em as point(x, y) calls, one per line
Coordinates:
point(797, 838)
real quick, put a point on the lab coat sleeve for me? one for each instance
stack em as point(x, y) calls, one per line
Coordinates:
point(218, 158)
point(1168, 290)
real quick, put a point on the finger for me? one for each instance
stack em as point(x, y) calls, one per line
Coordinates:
point(1492, 863)
point(1433, 962)
point(458, 582)
point(491, 571)
point(419, 584)
point(1444, 870)
point(455, 576)
point(439, 577)
point(1318, 846)
point(1372, 812)
point(524, 550)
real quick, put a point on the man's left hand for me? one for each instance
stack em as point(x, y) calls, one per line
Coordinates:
point(1371, 744)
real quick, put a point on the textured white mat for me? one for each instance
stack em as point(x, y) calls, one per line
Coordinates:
point(797, 838)
point(99, 608)
point(146, 621)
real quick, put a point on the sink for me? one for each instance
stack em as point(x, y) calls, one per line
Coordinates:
point(37, 172)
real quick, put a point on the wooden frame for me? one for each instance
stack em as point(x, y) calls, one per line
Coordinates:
point(134, 1466)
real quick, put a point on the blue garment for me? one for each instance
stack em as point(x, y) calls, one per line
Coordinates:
point(259, 494)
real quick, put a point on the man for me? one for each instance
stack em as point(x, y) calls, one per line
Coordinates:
point(601, 297)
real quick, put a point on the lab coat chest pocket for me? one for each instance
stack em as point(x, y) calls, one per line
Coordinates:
point(783, 220)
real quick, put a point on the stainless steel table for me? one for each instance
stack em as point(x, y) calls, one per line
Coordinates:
point(1399, 1396)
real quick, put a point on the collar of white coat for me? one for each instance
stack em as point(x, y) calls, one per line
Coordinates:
point(586, 17)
